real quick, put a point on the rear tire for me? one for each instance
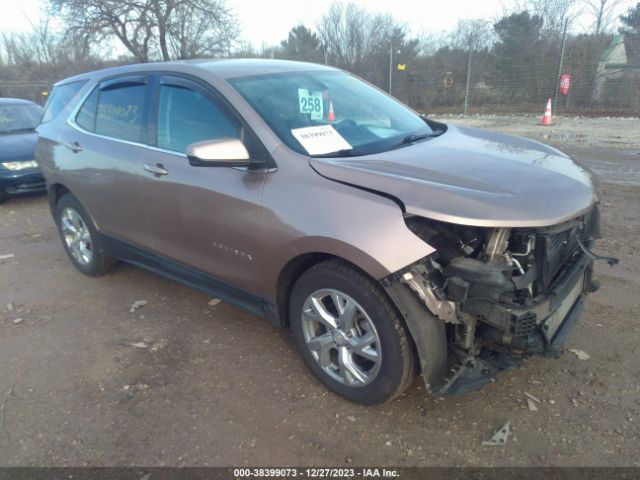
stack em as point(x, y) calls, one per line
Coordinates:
point(80, 239)
point(350, 334)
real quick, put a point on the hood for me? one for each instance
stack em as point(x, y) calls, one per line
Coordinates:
point(473, 177)
point(18, 146)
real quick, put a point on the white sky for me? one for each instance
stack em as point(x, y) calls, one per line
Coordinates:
point(269, 21)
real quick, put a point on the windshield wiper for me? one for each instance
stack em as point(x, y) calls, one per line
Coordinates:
point(409, 139)
point(347, 152)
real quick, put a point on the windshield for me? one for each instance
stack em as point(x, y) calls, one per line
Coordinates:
point(320, 113)
point(17, 118)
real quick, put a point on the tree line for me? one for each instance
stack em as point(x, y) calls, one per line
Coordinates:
point(511, 60)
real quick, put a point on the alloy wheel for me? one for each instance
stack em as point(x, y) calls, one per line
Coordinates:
point(76, 236)
point(341, 337)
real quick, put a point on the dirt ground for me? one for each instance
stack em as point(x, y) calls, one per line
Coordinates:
point(84, 381)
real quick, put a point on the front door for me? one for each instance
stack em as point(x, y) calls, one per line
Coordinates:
point(207, 218)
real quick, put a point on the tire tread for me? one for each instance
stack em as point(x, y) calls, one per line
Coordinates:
point(409, 359)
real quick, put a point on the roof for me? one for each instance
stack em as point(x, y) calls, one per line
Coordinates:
point(617, 39)
point(223, 68)
point(632, 47)
point(15, 101)
point(631, 44)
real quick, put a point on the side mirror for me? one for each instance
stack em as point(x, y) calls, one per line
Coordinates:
point(224, 152)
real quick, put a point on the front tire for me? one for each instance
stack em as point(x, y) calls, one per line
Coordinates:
point(350, 334)
point(80, 238)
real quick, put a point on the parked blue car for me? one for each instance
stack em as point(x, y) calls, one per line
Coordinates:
point(19, 172)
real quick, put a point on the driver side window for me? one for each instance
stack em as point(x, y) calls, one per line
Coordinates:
point(187, 116)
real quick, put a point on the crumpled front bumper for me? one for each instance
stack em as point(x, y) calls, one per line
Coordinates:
point(474, 372)
point(514, 334)
point(541, 327)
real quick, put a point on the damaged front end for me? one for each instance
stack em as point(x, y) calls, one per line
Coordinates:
point(503, 293)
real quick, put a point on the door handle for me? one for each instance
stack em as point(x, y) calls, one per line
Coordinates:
point(75, 147)
point(157, 169)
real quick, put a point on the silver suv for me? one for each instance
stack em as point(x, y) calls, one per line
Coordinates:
point(390, 243)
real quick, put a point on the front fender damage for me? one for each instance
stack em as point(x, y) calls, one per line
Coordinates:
point(429, 336)
point(451, 373)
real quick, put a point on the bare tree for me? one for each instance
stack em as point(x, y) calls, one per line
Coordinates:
point(430, 42)
point(31, 61)
point(343, 33)
point(94, 21)
point(151, 29)
point(199, 28)
point(602, 12)
point(473, 34)
point(352, 36)
point(554, 13)
point(45, 52)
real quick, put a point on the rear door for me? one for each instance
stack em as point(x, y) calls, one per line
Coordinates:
point(103, 152)
point(207, 218)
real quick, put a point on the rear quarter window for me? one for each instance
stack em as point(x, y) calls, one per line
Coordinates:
point(59, 98)
point(86, 117)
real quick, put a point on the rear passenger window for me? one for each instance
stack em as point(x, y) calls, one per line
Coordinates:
point(186, 116)
point(120, 112)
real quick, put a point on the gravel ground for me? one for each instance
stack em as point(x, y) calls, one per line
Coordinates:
point(85, 381)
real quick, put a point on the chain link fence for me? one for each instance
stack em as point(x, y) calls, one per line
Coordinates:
point(603, 74)
point(589, 94)
point(37, 91)
point(604, 80)
point(498, 92)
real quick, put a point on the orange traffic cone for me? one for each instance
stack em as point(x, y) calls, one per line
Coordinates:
point(332, 116)
point(547, 119)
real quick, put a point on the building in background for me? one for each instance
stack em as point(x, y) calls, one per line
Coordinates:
point(618, 75)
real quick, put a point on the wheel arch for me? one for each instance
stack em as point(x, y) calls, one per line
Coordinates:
point(292, 271)
point(55, 192)
point(58, 190)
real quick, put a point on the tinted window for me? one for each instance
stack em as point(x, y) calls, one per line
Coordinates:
point(186, 116)
point(59, 98)
point(17, 118)
point(120, 112)
point(86, 117)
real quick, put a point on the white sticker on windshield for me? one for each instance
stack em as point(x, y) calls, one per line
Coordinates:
point(311, 102)
point(320, 139)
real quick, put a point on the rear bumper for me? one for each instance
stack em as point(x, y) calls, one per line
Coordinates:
point(21, 183)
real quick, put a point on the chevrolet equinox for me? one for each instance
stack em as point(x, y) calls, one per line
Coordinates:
point(390, 243)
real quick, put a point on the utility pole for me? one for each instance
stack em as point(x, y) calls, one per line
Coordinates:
point(390, 65)
point(466, 93)
point(564, 41)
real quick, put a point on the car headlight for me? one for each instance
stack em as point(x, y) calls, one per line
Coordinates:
point(20, 165)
